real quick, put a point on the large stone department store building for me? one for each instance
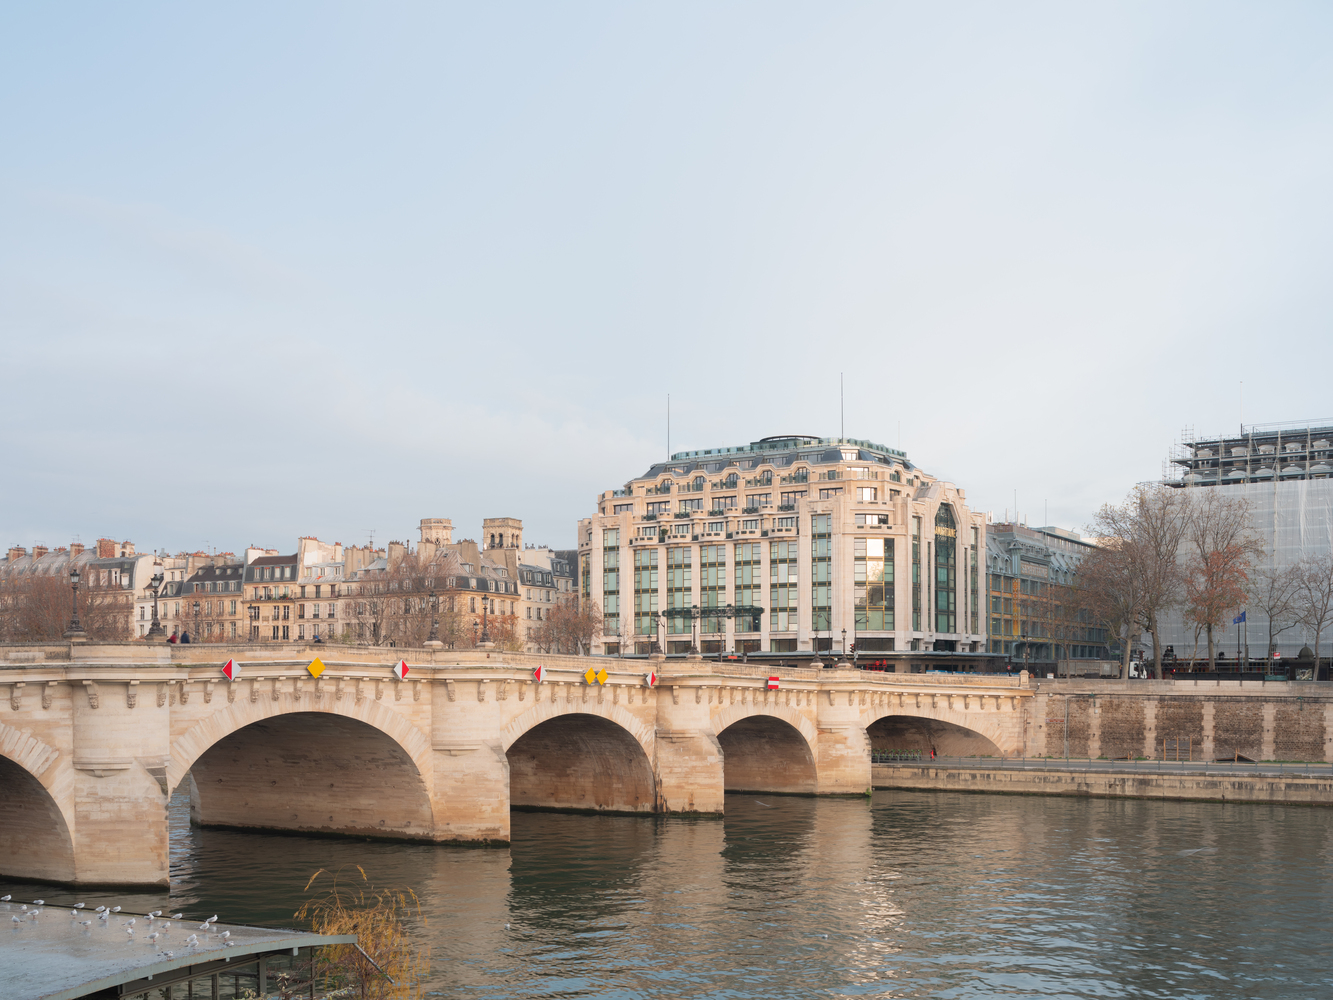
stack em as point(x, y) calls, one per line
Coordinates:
point(837, 540)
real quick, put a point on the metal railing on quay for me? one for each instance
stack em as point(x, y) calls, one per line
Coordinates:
point(1145, 766)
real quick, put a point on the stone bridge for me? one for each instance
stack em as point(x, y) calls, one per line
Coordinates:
point(94, 739)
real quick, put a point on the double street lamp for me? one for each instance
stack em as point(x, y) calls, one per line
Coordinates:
point(156, 633)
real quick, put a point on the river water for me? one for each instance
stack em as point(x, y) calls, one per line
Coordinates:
point(903, 895)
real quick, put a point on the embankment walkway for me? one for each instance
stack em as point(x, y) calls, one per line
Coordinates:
point(1271, 782)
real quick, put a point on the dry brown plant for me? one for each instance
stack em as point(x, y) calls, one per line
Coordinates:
point(385, 964)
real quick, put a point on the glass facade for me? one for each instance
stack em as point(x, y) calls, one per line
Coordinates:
point(712, 584)
point(610, 581)
point(645, 591)
point(748, 581)
point(678, 587)
point(946, 570)
point(916, 574)
point(974, 597)
point(821, 572)
point(874, 584)
point(783, 598)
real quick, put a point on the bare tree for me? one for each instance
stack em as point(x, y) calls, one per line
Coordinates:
point(1151, 524)
point(1112, 593)
point(38, 608)
point(568, 627)
point(1314, 601)
point(1274, 592)
point(1222, 549)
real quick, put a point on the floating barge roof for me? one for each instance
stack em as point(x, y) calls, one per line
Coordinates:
point(56, 957)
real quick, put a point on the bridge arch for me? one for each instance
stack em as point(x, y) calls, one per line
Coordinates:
point(35, 838)
point(345, 768)
point(580, 757)
point(767, 749)
point(950, 733)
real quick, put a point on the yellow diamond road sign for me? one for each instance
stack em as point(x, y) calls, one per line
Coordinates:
point(590, 675)
point(316, 667)
point(601, 676)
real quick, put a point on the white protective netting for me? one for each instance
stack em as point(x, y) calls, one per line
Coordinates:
point(1291, 520)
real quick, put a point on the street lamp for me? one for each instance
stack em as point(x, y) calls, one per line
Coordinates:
point(844, 644)
point(485, 628)
point(156, 633)
point(75, 631)
point(433, 640)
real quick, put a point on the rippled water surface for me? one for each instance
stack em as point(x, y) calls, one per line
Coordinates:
point(904, 895)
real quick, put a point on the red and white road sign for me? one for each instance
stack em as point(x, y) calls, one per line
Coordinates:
point(401, 670)
point(650, 678)
point(539, 674)
point(772, 683)
point(230, 670)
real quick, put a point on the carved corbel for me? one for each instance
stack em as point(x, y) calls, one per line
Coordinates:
point(449, 688)
point(615, 694)
point(416, 691)
point(185, 692)
point(273, 695)
point(254, 690)
point(397, 690)
point(338, 689)
point(481, 690)
point(360, 696)
point(208, 692)
point(503, 693)
point(830, 698)
point(298, 687)
point(851, 698)
point(522, 691)
point(16, 695)
point(601, 693)
point(675, 694)
point(91, 688)
point(131, 694)
point(585, 694)
point(171, 692)
point(699, 695)
point(379, 689)
point(161, 694)
point(231, 692)
point(788, 699)
point(48, 693)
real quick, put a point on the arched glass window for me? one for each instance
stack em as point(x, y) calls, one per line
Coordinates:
point(946, 570)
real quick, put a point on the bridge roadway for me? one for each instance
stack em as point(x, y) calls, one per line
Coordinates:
point(94, 739)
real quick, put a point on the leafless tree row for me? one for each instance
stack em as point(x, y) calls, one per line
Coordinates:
point(38, 609)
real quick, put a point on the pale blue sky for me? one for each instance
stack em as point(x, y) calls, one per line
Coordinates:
point(270, 270)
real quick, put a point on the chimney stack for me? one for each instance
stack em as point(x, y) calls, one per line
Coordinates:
point(75, 549)
point(106, 548)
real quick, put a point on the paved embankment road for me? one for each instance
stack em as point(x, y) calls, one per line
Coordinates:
point(1296, 784)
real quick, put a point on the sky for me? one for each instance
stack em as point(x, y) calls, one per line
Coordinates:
point(272, 270)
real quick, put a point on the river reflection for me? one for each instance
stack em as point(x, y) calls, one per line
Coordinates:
point(905, 895)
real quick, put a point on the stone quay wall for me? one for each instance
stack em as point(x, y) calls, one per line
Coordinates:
point(1286, 790)
point(1199, 720)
